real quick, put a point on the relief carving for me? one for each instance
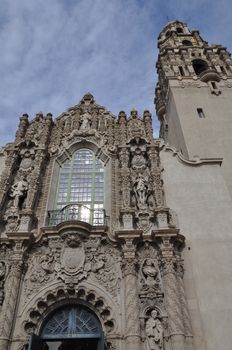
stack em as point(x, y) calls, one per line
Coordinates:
point(12, 219)
point(41, 270)
point(104, 266)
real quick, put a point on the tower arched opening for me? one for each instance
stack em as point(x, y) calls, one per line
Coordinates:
point(199, 66)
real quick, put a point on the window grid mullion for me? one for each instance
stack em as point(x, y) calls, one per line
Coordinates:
point(82, 180)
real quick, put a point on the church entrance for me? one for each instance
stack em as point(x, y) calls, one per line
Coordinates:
point(72, 327)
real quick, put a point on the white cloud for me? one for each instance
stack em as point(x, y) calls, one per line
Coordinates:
point(53, 52)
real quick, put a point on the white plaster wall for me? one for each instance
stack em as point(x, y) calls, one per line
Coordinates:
point(201, 199)
point(208, 137)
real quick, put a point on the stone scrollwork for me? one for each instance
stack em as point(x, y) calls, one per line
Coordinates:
point(104, 267)
point(41, 270)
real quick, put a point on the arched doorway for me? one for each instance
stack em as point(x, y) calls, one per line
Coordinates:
point(71, 327)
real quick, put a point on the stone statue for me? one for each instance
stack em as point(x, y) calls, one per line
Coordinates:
point(85, 125)
point(138, 161)
point(154, 332)
point(150, 272)
point(141, 189)
point(18, 191)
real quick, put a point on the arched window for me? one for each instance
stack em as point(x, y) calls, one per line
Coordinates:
point(199, 66)
point(70, 327)
point(80, 193)
point(179, 30)
point(187, 43)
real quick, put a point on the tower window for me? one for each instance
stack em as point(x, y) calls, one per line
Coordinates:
point(199, 66)
point(223, 70)
point(186, 43)
point(179, 30)
point(181, 70)
point(200, 112)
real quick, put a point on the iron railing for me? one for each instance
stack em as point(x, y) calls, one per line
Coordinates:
point(79, 212)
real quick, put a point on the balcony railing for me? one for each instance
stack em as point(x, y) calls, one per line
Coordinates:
point(79, 212)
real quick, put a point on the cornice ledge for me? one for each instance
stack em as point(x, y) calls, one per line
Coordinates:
point(72, 225)
point(197, 161)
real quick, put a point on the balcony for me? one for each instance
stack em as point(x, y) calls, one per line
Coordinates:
point(80, 212)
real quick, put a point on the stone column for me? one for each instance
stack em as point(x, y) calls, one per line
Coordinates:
point(12, 286)
point(184, 306)
point(129, 268)
point(172, 295)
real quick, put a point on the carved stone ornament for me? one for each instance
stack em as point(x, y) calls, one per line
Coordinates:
point(12, 219)
point(27, 154)
point(2, 280)
point(70, 268)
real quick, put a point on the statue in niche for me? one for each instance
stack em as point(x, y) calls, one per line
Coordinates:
point(27, 158)
point(85, 122)
point(138, 152)
point(141, 191)
point(154, 332)
point(138, 160)
point(150, 273)
point(19, 191)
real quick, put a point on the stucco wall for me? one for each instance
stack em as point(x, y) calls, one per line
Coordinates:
point(205, 137)
point(201, 199)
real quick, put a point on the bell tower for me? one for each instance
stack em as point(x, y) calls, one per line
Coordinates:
point(194, 95)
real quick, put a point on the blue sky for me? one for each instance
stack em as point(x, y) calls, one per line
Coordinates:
point(53, 52)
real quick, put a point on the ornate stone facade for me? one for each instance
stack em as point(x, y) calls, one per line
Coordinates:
point(126, 271)
point(120, 270)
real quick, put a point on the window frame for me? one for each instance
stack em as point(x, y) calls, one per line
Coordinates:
point(93, 203)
